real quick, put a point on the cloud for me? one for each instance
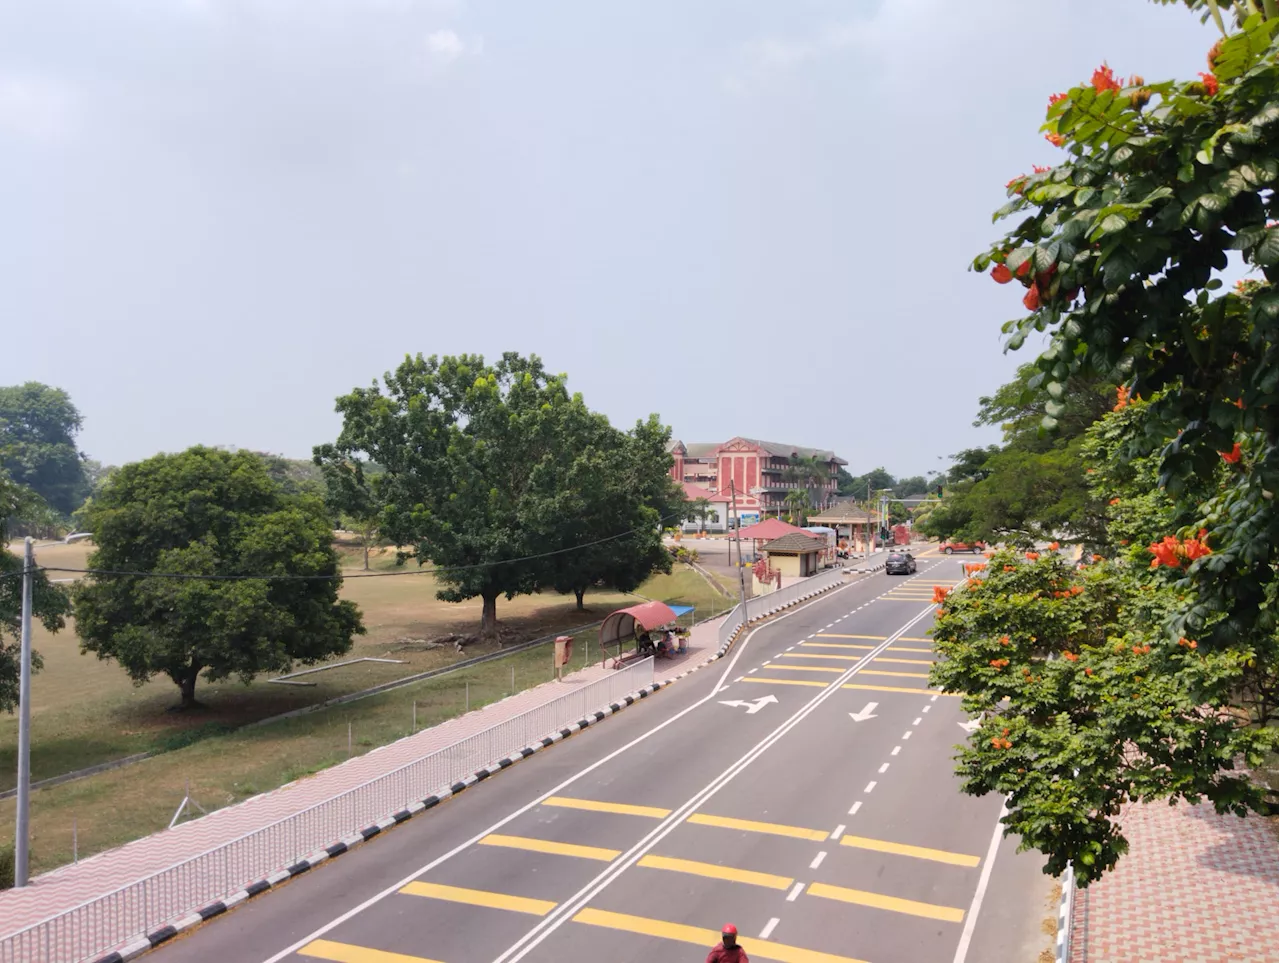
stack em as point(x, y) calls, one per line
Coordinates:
point(35, 109)
point(445, 46)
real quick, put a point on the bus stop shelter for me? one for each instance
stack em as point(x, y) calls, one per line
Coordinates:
point(625, 626)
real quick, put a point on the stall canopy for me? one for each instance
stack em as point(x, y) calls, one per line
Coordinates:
point(620, 626)
point(770, 529)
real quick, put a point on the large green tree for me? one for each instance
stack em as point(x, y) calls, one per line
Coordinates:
point(201, 519)
point(49, 602)
point(38, 425)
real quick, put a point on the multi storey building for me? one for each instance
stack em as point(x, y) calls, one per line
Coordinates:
point(758, 474)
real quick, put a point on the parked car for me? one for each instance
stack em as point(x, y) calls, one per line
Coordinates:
point(950, 548)
point(900, 563)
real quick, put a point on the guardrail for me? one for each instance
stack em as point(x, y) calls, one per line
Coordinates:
point(762, 605)
point(105, 922)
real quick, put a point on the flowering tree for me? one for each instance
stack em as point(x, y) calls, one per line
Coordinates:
point(1153, 674)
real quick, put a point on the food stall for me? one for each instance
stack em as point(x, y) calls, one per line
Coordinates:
point(638, 625)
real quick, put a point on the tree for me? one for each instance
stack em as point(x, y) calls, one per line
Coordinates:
point(1152, 676)
point(295, 476)
point(350, 496)
point(49, 602)
point(797, 502)
point(874, 481)
point(911, 487)
point(205, 518)
point(38, 425)
point(700, 510)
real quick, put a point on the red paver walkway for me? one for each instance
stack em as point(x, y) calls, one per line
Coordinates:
point(69, 886)
point(1195, 887)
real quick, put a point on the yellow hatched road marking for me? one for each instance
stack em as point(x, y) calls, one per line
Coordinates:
point(350, 953)
point(696, 935)
point(593, 805)
point(861, 897)
point(751, 826)
point(756, 678)
point(918, 852)
point(712, 871)
point(820, 655)
point(837, 635)
point(881, 658)
point(479, 897)
point(902, 675)
point(837, 645)
point(905, 648)
point(802, 668)
point(547, 846)
point(896, 688)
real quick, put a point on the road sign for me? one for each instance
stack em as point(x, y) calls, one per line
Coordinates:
point(868, 712)
point(753, 705)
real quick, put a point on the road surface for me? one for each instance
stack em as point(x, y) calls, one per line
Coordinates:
point(801, 788)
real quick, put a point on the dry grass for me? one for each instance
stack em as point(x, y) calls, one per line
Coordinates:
point(86, 711)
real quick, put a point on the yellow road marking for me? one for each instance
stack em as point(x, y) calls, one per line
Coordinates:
point(837, 635)
point(902, 849)
point(895, 688)
point(905, 648)
point(881, 658)
point(931, 911)
point(751, 826)
point(820, 655)
point(802, 668)
point(912, 638)
point(756, 678)
point(479, 897)
point(903, 675)
point(837, 645)
point(712, 871)
point(622, 809)
point(350, 953)
point(696, 935)
point(547, 846)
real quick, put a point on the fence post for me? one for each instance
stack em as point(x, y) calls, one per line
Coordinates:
point(467, 704)
point(348, 738)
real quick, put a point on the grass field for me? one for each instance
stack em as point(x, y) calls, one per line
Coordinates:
point(86, 711)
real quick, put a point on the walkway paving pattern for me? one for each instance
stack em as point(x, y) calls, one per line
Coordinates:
point(1195, 887)
point(69, 886)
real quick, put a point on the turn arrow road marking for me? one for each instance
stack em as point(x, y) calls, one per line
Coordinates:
point(753, 705)
point(970, 725)
point(867, 712)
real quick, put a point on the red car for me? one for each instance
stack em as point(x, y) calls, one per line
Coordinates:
point(950, 548)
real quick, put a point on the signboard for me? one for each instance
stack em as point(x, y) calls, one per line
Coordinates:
point(563, 652)
point(748, 518)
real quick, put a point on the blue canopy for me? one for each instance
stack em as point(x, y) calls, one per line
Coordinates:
point(681, 609)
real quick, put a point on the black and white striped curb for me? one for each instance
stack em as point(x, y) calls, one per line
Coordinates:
point(1062, 952)
point(218, 907)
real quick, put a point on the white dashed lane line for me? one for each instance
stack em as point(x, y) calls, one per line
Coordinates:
point(853, 810)
point(768, 928)
point(870, 786)
point(817, 860)
point(837, 832)
point(795, 891)
point(896, 750)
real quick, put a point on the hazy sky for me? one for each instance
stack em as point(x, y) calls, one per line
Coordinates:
point(752, 218)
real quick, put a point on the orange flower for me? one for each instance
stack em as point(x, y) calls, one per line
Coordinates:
point(1071, 656)
point(1210, 84)
point(1077, 590)
point(1032, 556)
point(1239, 403)
point(1167, 551)
point(1001, 274)
point(939, 593)
point(1088, 672)
point(1009, 568)
point(1036, 168)
point(1103, 80)
point(1055, 139)
point(1232, 456)
point(1004, 640)
point(1114, 501)
point(1214, 52)
point(1020, 182)
point(1032, 299)
point(1001, 743)
point(1054, 546)
point(1056, 98)
point(1193, 548)
point(998, 663)
point(1097, 558)
point(1122, 398)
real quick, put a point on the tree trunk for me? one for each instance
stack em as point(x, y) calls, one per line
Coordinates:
point(489, 616)
point(187, 685)
point(366, 556)
point(578, 593)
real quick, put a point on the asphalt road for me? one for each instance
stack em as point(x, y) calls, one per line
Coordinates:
point(801, 789)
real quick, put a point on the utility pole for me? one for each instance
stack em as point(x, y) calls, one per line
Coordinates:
point(20, 848)
point(737, 537)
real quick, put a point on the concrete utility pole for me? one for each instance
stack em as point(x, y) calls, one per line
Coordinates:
point(20, 848)
point(737, 537)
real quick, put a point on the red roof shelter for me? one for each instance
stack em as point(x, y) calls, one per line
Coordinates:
point(772, 528)
point(620, 626)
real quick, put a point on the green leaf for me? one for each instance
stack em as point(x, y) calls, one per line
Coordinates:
point(1109, 225)
point(1266, 252)
point(1187, 172)
point(1216, 203)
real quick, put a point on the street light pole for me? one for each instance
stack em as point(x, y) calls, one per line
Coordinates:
point(21, 842)
point(737, 537)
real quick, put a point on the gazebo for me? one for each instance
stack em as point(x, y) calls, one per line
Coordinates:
point(769, 530)
point(848, 516)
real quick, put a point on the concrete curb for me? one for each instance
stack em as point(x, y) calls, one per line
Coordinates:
point(218, 907)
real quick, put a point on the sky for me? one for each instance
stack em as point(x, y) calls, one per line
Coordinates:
point(753, 218)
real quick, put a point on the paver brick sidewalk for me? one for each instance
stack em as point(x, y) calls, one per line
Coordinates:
point(1195, 887)
point(69, 886)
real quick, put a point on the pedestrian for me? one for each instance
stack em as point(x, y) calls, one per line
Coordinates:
point(728, 950)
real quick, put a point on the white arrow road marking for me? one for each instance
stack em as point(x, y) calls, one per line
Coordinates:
point(868, 712)
point(753, 705)
point(970, 725)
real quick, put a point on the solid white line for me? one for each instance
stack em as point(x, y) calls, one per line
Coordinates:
point(796, 890)
point(917, 722)
point(817, 860)
point(396, 887)
point(853, 810)
point(884, 768)
point(870, 786)
point(971, 918)
point(768, 928)
point(837, 832)
point(896, 750)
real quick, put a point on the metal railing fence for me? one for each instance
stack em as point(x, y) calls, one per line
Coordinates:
point(761, 604)
point(99, 925)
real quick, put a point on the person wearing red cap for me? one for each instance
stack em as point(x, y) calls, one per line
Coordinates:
point(728, 950)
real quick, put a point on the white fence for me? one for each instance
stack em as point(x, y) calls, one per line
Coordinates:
point(762, 605)
point(96, 927)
